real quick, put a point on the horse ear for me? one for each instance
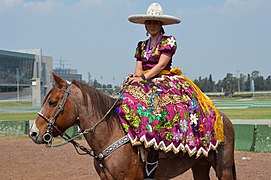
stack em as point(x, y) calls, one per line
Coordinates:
point(59, 82)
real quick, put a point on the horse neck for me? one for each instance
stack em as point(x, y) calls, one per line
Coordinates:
point(107, 131)
point(105, 134)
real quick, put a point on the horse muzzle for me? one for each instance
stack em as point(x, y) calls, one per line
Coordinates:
point(36, 138)
point(35, 135)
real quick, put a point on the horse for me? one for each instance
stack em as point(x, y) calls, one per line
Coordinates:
point(70, 103)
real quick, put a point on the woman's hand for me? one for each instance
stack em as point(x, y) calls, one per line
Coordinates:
point(134, 78)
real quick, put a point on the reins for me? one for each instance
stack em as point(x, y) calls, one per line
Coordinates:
point(110, 109)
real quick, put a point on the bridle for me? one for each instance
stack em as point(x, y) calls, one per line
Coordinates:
point(48, 137)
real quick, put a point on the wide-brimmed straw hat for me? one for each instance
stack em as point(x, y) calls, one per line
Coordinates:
point(154, 12)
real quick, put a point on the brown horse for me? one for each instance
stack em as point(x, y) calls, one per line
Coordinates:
point(76, 103)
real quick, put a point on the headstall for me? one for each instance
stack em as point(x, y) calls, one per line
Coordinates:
point(47, 137)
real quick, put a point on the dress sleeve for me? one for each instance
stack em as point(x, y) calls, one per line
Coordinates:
point(138, 51)
point(169, 46)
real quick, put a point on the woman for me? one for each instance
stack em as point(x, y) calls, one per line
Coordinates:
point(161, 107)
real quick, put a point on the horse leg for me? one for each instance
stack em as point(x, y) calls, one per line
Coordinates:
point(224, 158)
point(201, 169)
point(123, 164)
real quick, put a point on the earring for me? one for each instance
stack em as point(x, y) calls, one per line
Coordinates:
point(147, 33)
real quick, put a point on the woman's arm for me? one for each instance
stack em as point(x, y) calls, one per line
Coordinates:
point(138, 69)
point(162, 63)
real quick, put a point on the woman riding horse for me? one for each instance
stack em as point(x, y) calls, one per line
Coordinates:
point(160, 106)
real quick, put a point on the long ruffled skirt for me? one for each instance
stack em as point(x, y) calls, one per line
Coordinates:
point(166, 113)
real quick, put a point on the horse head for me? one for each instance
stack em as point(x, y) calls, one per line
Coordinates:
point(56, 114)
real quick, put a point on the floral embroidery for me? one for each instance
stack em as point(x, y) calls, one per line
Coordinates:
point(148, 127)
point(169, 136)
point(194, 119)
point(177, 136)
point(194, 104)
point(208, 136)
point(145, 113)
point(125, 126)
point(171, 41)
point(144, 54)
point(184, 125)
point(190, 139)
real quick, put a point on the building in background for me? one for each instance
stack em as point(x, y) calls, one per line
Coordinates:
point(67, 73)
point(25, 74)
point(15, 67)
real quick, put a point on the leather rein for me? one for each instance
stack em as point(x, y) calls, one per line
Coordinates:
point(48, 137)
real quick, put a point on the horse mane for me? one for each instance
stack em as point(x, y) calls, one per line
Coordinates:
point(101, 102)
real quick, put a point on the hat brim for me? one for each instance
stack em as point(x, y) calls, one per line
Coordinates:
point(165, 19)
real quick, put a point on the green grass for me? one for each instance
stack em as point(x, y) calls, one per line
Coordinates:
point(18, 116)
point(13, 104)
point(249, 113)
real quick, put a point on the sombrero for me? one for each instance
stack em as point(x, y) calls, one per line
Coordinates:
point(154, 12)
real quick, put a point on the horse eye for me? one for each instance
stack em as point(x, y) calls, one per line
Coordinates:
point(52, 103)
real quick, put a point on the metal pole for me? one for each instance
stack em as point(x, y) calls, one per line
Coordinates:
point(238, 80)
point(18, 85)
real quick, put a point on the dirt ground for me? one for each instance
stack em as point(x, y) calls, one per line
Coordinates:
point(21, 159)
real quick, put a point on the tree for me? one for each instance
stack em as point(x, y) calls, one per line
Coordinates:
point(267, 83)
point(255, 74)
point(206, 85)
point(229, 83)
point(259, 83)
point(211, 84)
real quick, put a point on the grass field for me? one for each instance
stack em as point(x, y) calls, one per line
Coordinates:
point(5, 113)
point(14, 104)
point(249, 113)
point(18, 116)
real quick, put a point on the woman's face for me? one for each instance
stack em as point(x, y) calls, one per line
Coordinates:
point(153, 27)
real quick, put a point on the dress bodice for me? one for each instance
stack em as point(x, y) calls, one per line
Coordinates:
point(167, 46)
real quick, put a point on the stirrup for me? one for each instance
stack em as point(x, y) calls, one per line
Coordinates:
point(154, 164)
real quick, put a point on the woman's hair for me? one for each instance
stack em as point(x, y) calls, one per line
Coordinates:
point(162, 30)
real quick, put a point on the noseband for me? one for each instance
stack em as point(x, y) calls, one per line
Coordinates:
point(47, 137)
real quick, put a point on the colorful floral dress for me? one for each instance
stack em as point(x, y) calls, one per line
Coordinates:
point(169, 112)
